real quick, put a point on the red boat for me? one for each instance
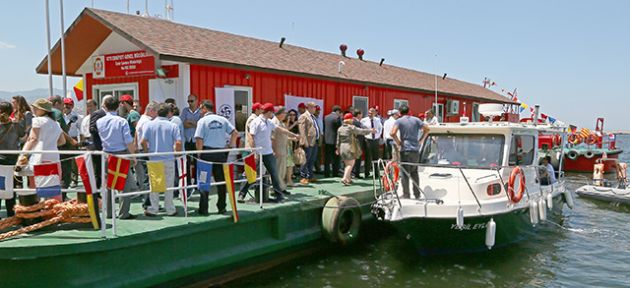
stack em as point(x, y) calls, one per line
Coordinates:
point(583, 152)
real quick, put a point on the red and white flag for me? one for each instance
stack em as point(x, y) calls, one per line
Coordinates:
point(47, 179)
point(183, 174)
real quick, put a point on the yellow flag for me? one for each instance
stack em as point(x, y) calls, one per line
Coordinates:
point(157, 176)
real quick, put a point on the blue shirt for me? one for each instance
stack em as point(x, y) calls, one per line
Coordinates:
point(409, 127)
point(189, 115)
point(214, 130)
point(161, 136)
point(114, 132)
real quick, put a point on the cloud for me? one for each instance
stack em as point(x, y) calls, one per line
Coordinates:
point(4, 45)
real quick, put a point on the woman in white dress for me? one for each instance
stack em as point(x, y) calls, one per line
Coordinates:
point(45, 134)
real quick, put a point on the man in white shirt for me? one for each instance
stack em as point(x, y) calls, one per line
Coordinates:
point(372, 141)
point(389, 152)
point(261, 129)
point(84, 128)
point(431, 119)
point(141, 172)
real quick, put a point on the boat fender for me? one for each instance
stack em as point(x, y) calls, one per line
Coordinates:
point(568, 198)
point(550, 201)
point(491, 231)
point(516, 172)
point(573, 154)
point(533, 212)
point(460, 218)
point(589, 154)
point(341, 220)
point(542, 210)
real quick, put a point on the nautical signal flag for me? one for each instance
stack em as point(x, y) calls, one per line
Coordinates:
point(117, 171)
point(228, 171)
point(250, 168)
point(584, 132)
point(204, 174)
point(6, 181)
point(78, 90)
point(47, 179)
point(157, 176)
point(182, 181)
point(86, 171)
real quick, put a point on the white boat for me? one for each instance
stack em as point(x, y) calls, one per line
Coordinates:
point(609, 190)
point(465, 173)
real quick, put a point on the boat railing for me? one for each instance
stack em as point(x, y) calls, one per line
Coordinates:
point(115, 194)
point(495, 171)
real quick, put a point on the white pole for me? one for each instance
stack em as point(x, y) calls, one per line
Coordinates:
point(146, 8)
point(127, 6)
point(50, 82)
point(260, 171)
point(436, 89)
point(63, 52)
point(103, 195)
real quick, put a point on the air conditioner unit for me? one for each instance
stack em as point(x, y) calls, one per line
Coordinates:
point(452, 107)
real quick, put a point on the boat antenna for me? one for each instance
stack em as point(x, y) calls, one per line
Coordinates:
point(50, 82)
point(536, 110)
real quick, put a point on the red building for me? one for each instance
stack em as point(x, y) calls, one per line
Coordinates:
point(154, 59)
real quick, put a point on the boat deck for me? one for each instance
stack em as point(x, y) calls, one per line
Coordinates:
point(74, 235)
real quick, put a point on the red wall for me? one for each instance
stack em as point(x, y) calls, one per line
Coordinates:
point(268, 87)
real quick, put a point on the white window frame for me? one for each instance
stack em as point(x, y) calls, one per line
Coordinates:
point(367, 101)
point(476, 116)
point(400, 103)
point(439, 111)
point(114, 87)
point(250, 94)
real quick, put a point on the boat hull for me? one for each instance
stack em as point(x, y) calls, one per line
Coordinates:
point(432, 236)
point(582, 164)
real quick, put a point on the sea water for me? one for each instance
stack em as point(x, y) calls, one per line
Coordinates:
point(589, 247)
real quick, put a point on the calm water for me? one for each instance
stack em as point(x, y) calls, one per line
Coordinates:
point(589, 249)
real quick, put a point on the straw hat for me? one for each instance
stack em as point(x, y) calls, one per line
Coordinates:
point(43, 104)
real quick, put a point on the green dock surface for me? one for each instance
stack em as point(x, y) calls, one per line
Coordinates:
point(149, 251)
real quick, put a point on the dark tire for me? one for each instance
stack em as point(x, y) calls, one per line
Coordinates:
point(341, 220)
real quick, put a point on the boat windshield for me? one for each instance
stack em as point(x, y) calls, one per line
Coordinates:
point(473, 150)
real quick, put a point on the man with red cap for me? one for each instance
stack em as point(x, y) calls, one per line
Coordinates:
point(301, 109)
point(73, 120)
point(256, 110)
point(260, 130)
point(133, 116)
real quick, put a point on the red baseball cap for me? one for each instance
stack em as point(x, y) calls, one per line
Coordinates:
point(256, 106)
point(317, 108)
point(126, 98)
point(347, 116)
point(301, 105)
point(268, 107)
point(68, 101)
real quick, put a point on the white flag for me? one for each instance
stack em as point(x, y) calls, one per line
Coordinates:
point(6, 181)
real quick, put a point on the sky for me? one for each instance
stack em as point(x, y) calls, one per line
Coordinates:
point(570, 57)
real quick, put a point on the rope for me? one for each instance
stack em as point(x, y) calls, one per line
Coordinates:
point(52, 210)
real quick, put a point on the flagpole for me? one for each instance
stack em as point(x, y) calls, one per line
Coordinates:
point(435, 104)
point(50, 82)
point(63, 52)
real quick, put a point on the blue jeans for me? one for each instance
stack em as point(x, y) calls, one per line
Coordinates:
point(306, 171)
point(270, 164)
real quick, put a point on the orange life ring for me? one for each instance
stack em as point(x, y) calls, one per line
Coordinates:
point(574, 139)
point(392, 172)
point(591, 139)
point(517, 172)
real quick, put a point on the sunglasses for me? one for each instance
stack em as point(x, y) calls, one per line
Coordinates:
point(191, 101)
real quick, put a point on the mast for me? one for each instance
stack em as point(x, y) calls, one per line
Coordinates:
point(50, 82)
point(63, 52)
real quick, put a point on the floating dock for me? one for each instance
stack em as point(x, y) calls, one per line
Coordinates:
point(178, 250)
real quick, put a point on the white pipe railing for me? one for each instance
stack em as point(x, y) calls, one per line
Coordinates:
point(107, 201)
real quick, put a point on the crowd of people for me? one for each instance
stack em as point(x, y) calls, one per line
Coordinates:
point(292, 143)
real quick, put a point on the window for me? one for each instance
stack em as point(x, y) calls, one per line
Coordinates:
point(361, 103)
point(476, 117)
point(116, 90)
point(472, 150)
point(522, 150)
point(439, 112)
point(400, 102)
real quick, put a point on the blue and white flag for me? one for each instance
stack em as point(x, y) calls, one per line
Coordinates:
point(204, 175)
point(6, 181)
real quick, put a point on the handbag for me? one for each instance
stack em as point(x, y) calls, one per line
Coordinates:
point(299, 156)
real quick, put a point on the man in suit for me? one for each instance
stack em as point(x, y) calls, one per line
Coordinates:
point(332, 122)
point(309, 137)
point(97, 145)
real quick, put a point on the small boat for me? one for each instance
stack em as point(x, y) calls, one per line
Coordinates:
point(615, 190)
point(584, 151)
point(480, 187)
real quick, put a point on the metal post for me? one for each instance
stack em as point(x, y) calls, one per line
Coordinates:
point(260, 186)
point(113, 194)
point(63, 52)
point(536, 111)
point(50, 81)
point(103, 194)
